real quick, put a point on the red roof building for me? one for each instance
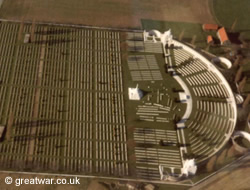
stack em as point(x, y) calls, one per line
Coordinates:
point(222, 35)
point(210, 39)
point(210, 27)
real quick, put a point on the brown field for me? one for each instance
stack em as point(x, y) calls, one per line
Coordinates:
point(107, 13)
point(234, 177)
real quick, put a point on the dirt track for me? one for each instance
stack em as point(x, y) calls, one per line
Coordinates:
point(107, 13)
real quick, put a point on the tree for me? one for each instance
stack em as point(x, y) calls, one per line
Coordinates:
point(238, 75)
point(181, 35)
point(208, 47)
point(242, 84)
point(234, 24)
point(193, 40)
point(237, 61)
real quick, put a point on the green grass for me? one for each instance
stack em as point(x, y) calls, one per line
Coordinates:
point(228, 12)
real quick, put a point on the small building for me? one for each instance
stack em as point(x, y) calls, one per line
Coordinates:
point(210, 27)
point(222, 35)
point(210, 40)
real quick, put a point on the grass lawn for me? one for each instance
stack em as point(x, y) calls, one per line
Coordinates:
point(228, 12)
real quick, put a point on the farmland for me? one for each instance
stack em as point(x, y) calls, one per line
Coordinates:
point(233, 15)
point(234, 11)
point(118, 14)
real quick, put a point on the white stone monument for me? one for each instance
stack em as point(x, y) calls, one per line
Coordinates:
point(135, 93)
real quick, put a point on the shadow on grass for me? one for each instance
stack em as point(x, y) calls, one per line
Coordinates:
point(53, 41)
point(234, 37)
point(38, 123)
